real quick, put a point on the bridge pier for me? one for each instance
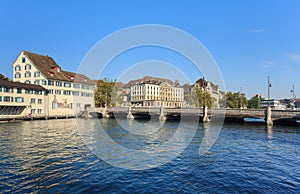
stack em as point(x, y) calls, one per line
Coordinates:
point(129, 115)
point(268, 116)
point(162, 116)
point(105, 114)
point(205, 117)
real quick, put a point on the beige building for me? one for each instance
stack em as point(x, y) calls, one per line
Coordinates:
point(69, 92)
point(154, 92)
point(22, 99)
point(212, 89)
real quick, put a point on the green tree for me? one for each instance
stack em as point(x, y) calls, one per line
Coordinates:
point(3, 77)
point(107, 93)
point(198, 98)
point(235, 100)
point(254, 102)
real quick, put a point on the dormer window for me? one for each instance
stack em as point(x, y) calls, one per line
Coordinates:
point(57, 69)
point(50, 73)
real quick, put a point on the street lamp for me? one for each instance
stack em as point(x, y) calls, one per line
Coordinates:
point(293, 97)
point(269, 86)
point(268, 111)
point(241, 107)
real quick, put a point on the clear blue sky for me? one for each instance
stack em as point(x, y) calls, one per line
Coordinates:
point(249, 39)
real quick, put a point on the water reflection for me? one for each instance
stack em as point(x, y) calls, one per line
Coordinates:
point(270, 131)
point(117, 146)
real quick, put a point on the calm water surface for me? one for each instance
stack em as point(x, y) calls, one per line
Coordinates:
point(50, 156)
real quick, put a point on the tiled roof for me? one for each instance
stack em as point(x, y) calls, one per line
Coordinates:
point(49, 68)
point(11, 84)
point(150, 80)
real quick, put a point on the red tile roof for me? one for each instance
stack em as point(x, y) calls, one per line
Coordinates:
point(49, 68)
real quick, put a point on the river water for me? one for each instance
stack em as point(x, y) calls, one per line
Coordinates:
point(53, 156)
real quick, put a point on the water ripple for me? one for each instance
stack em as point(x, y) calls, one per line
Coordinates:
point(50, 157)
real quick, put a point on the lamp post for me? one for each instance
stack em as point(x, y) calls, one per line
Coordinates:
point(241, 107)
point(293, 97)
point(269, 111)
point(205, 116)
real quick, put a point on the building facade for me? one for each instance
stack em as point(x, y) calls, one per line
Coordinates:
point(68, 92)
point(274, 104)
point(212, 89)
point(155, 92)
point(22, 99)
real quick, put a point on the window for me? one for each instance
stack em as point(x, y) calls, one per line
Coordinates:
point(8, 99)
point(19, 90)
point(0, 88)
point(17, 68)
point(0, 98)
point(6, 89)
point(23, 60)
point(76, 86)
point(58, 92)
point(27, 67)
point(44, 82)
point(67, 92)
point(78, 105)
point(39, 101)
point(58, 83)
point(37, 82)
point(32, 111)
point(19, 99)
point(67, 85)
point(18, 75)
point(27, 74)
point(27, 82)
point(37, 74)
point(39, 111)
point(32, 101)
point(51, 91)
point(75, 93)
point(50, 83)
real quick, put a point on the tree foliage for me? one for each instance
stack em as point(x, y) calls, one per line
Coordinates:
point(3, 77)
point(254, 102)
point(235, 100)
point(198, 98)
point(107, 93)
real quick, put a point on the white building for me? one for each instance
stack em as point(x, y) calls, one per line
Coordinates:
point(274, 104)
point(154, 92)
point(68, 92)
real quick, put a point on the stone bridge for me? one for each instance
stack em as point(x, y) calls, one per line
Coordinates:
point(277, 116)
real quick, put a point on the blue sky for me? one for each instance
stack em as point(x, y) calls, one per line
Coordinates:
point(248, 39)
